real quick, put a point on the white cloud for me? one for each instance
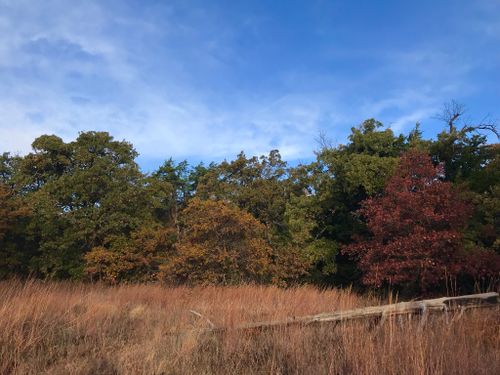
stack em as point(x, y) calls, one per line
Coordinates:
point(51, 91)
point(403, 123)
point(159, 124)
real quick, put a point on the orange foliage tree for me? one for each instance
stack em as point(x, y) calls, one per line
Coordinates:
point(131, 259)
point(219, 244)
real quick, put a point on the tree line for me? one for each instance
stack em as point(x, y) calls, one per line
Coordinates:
point(382, 210)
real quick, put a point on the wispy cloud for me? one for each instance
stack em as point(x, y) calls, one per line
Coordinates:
point(65, 55)
point(189, 80)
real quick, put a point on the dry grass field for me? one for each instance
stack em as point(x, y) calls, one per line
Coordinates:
point(62, 328)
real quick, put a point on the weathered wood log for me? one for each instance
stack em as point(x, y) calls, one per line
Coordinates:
point(423, 307)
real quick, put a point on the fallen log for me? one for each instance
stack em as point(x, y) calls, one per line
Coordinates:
point(444, 304)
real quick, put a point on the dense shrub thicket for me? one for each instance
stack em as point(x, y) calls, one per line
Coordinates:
point(381, 210)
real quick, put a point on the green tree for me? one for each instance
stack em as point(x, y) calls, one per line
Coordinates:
point(257, 185)
point(14, 247)
point(469, 161)
point(462, 147)
point(340, 179)
point(48, 162)
point(263, 187)
point(484, 192)
point(183, 181)
point(8, 166)
point(83, 193)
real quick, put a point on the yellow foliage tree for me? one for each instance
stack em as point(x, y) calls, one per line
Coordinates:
point(219, 244)
point(131, 259)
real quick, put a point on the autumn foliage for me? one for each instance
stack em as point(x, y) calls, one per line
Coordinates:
point(415, 228)
point(84, 210)
point(134, 259)
point(220, 244)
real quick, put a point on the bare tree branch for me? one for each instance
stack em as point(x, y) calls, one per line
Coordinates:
point(487, 123)
point(323, 141)
point(451, 114)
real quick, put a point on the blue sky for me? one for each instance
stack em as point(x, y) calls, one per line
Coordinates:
point(203, 80)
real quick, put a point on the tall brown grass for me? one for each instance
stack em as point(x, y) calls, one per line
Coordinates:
point(59, 328)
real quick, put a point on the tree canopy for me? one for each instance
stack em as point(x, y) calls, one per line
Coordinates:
point(404, 211)
point(415, 228)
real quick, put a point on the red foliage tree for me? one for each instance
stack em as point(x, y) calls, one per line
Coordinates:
point(415, 228)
